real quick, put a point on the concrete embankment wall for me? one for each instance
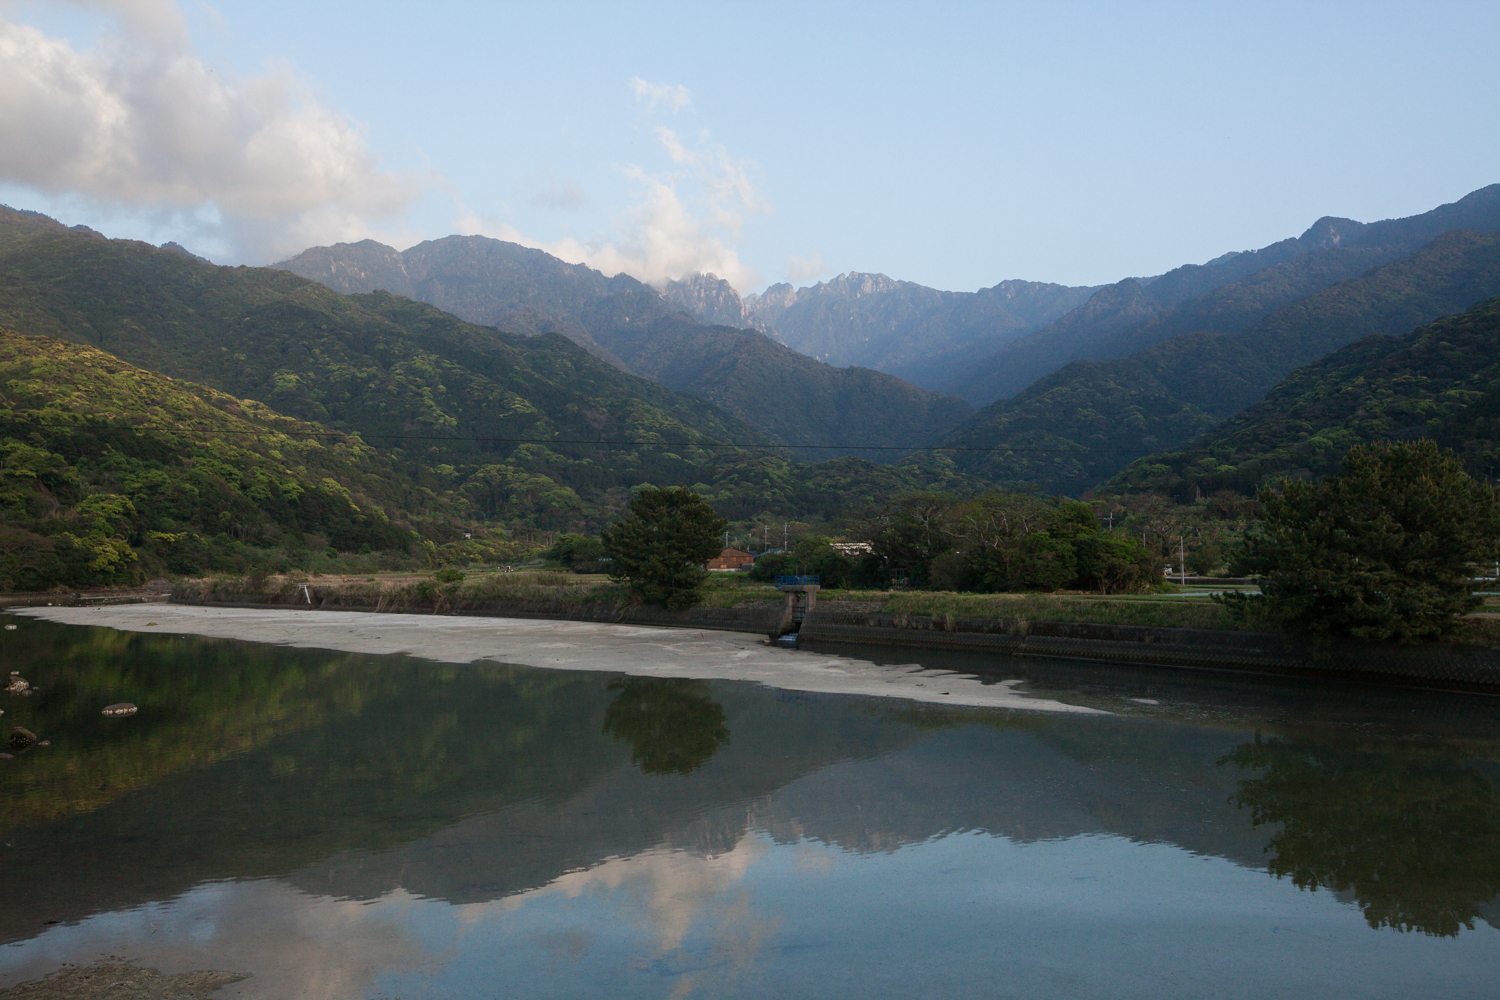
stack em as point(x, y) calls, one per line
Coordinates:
point(1437, 665)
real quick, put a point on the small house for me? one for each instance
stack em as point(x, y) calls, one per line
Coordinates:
point(731, 561)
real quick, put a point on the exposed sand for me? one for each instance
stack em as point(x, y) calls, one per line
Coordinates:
point(112, 981)
point(565, 645)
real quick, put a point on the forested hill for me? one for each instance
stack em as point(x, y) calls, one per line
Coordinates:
point(427, 386)
point(1080, 425)
point(526, 430)
point(919, 333)
point(377, 363)
point(849, 406)
point(743, 372)
point(104, 466)
point(1440, 381)
point(1227, 294)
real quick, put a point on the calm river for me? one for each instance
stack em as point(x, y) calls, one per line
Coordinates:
point(342, 825)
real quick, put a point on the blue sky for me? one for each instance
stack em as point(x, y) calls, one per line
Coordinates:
point(955, 145)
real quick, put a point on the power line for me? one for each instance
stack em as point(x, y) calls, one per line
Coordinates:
point(492, 439)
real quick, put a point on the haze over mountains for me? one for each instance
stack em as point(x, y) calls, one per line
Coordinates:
point(1440, 381)
point(919, 333)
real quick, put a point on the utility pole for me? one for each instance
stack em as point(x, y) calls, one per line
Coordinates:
point(1182, 559)
point(783, 536)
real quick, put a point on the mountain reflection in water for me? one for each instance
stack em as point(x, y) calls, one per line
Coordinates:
point(254, 780)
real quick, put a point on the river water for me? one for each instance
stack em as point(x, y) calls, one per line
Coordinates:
point(347, 825)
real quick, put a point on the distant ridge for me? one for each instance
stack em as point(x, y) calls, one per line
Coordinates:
point(1226, 294)
point(1080, 425)
point(904, 328)
point(790, 397)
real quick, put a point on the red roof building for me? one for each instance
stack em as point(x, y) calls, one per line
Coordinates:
point(731, 561)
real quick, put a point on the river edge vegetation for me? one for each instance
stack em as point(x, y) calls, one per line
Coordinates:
point(541, 590)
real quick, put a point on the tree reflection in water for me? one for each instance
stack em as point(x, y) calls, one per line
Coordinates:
point(1414, 835)
point(673, 726)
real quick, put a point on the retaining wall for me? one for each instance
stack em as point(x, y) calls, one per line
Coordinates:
point(1438, 664)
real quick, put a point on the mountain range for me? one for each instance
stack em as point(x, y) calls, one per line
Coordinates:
point(790, 398)
point(919, 333)
point(370, 397)
point(475, 421)
point(1224, 295)
point(1076, 427)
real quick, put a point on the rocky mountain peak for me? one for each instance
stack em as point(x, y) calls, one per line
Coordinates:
point(710, 299)
point(856, 283)
point(1330, 231)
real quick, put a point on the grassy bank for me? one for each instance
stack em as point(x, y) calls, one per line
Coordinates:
point(722, 591)
point(410, 589)
point(1046, 607)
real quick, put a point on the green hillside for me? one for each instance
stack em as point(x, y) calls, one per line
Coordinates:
point(528, 431)
point(1079, 426)
point(108, 471)
point(746, 373)
point(789, 397)
point(1441, 381)
point(432, 390)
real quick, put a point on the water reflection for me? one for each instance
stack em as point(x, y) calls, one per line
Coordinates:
point(1412, 834)
point(672, 725)
point(426, 829)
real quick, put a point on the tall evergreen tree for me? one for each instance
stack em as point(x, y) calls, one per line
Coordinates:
point(661, 547)
point(1386, 549)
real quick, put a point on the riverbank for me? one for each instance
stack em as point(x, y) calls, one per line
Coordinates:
point(1172, 634)
point(700, 654)
point(566, 594)
point(146, 593)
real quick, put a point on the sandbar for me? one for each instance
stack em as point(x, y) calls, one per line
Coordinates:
point(567, 645)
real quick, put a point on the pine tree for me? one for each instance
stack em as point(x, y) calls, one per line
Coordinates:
point(661, 547)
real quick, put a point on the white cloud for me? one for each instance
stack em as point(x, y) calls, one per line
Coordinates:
point(680, 890)
point(140, 121)
point(678, 224)
point(805, 268)
point(674, 96)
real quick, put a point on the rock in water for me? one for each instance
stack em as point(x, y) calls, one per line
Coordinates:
point(21, 738)
point(17, 684)
point(122, 709)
